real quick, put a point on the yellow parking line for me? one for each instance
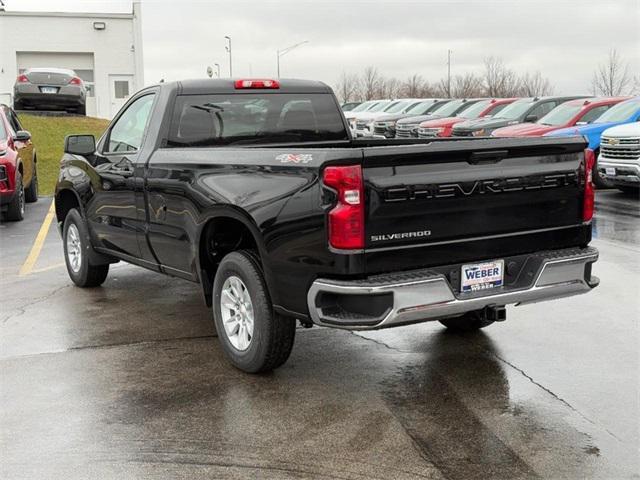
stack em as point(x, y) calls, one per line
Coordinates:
point(27, 266)
point(50, 267)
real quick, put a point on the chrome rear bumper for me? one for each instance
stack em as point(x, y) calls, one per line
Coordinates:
point(422, 295)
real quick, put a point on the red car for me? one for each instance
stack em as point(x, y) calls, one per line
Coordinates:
point(18, 177)
point(567, 114)
point(441, 127)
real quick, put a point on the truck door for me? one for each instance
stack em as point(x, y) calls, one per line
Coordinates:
point(112, 213)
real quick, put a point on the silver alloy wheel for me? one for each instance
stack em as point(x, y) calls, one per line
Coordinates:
point(237, 313)
point(74, 248)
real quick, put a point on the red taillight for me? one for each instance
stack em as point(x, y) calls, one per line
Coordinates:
point(22, 79)
point(589, 193)
point(75, 81)
point(263, 83)
point(346, 219)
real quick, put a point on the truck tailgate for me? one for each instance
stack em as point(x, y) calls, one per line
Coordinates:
point(460, 200)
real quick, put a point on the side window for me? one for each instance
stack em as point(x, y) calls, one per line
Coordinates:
point(594, 113)
point(542, 109)
point(127, 133)
point(496, 109)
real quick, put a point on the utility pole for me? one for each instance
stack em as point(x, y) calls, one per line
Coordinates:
point(284, 51)
point(449, 73)
point(228, 48)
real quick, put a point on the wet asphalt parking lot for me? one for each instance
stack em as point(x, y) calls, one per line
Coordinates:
point(128, 381)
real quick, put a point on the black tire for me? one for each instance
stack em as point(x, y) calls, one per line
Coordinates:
point(84, 275)
point(31, 192)
point(598, 180)
point(18, 105)
point(469, 322)
point(272, 336)
point(634, 191)
point(82, 110)
point(15, 210)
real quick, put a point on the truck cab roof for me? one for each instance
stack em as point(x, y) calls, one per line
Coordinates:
point(228, 85)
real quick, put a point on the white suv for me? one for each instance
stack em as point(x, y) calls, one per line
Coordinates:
point(364, 122)
point(619, 159)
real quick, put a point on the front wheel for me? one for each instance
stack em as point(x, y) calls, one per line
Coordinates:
point(598, 180)
point(469, 322)
point(15, 210)
point(254, 338)
point(76, 253)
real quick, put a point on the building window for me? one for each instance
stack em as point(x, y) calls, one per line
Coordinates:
point(121, 88)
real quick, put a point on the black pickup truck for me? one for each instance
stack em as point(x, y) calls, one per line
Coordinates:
point(256, 190)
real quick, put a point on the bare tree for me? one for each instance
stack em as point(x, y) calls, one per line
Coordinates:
point(348, 87)
point(465, 86)
point(612, 78)
point(413, 87)
point(636, 85)
point(499, 81)
point(534, 85)
point(496, 81)
point(370, 83)
point(388, 88)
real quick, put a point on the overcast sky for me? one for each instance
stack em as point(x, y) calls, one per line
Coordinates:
point(565, 40)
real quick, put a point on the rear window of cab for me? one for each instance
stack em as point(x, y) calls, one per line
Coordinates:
point(253, 119)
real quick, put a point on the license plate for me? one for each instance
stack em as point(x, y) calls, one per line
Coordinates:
point(48, 89)
point(481, 276)
point(610, 171)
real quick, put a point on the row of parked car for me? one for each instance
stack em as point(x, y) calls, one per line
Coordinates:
point(617, 149)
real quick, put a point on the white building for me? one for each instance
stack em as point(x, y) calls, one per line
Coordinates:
point(105, 50)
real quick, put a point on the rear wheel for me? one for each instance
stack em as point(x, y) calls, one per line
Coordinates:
point(18, 105)
point(82, 110)
point(469, 322)
point(254, 338)
point(76, 253)
point(31, 193)
point(15, 210)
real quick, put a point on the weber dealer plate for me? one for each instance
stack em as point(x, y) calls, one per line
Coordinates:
point(482, 276)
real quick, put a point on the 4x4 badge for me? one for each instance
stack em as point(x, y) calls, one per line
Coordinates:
point(294, 158)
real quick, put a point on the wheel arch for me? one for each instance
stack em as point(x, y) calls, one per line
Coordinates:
point(65, 200)
point(227, 229)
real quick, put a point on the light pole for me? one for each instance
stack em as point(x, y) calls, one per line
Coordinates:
point(284, 51)
point(228, 48)
point(217, 65)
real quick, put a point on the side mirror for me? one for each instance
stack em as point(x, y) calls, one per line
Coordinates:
point(530, 118)
point(22, 136)
point(80, 144)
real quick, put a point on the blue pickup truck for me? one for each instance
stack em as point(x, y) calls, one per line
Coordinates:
point(625, 112)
